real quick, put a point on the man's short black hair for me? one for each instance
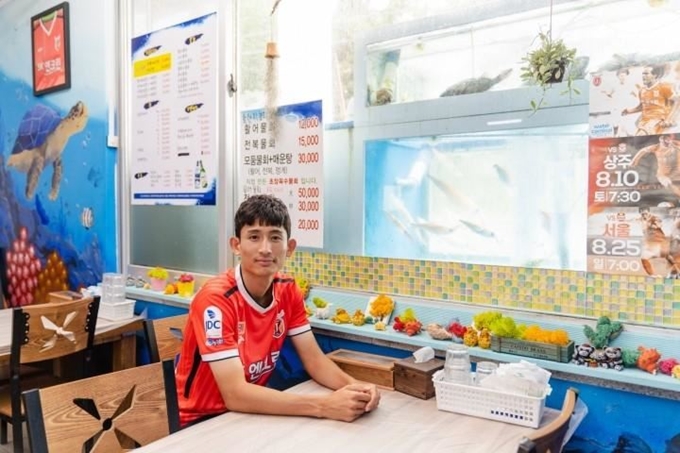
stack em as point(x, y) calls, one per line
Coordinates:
point(265, 210)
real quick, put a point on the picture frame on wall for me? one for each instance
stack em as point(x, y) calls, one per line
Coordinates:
point(50, 46)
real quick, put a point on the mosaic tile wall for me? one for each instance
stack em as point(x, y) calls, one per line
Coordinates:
point(627, 298)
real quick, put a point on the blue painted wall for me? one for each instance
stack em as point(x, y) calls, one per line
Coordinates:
point(77, 229)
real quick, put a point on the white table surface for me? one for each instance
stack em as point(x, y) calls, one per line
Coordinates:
point(400, 424)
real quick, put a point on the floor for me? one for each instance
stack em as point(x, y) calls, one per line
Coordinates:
point(9, 448)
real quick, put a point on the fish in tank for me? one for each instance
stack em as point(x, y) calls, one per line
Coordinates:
point(500, 197)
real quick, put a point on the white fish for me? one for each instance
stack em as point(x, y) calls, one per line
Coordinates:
point(434, 228)
point(454, 194)
point(477, 229)
point(418, 170)
point(87, 218)
point(502, 174)
point(400, 225)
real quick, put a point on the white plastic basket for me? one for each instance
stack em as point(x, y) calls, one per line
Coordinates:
point(487, 403)
point(117, 311)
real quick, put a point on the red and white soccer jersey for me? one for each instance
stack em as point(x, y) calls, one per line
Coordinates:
point(656, 105)
point(48, 42)
point(225, 323)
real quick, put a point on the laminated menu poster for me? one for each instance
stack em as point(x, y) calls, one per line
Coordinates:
point(287, 162)
point(634, 205)
point(174, 114)
point(634, 170)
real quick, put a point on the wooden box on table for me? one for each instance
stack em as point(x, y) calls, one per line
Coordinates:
point(363, 366)
point(415, 379)
point(64, 296)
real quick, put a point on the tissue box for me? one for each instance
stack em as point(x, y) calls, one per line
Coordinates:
point(376, 369)
point(415, 379)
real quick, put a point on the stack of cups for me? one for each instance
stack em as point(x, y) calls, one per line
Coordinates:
point(113, 288)
point(457, 368)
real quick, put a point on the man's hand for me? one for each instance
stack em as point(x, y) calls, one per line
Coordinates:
point(350, 402)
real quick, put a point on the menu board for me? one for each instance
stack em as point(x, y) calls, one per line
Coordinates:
point(288, 164)
point(174, 112)
point(634, 171)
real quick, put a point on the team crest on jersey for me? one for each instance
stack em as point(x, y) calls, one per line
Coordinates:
point(279, 325)
point(212, 322)
point(241, 328)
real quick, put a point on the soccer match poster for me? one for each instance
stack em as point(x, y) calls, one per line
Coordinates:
point(634, 171)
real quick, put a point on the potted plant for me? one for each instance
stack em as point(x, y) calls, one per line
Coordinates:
point(185, 285)
point(158, 277)
point(548, 64)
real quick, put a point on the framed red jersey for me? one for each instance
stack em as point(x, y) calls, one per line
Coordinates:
point(50, 47)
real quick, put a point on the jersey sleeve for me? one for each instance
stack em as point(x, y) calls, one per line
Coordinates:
point(667, 91)
point(215, 325)
point(298, 322)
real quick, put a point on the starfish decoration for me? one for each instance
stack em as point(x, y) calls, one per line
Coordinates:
point(58, 331)
point(89, 406)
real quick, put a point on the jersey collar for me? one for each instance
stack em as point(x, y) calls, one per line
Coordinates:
point(249, 299)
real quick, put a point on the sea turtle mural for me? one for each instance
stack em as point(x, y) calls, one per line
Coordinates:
point(41, 139)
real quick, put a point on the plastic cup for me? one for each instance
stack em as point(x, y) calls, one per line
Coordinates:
point(483, 370)
point(457, 365)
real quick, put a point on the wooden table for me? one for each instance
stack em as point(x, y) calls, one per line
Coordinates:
point(120, 333)
point(400, 424)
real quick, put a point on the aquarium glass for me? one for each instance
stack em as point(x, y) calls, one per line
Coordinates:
point(514, 197)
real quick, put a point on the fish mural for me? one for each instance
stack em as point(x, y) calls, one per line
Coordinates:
point(475, 85)
point(87, 218)
point(626, 442)
point(94, 176)
point(40, 210)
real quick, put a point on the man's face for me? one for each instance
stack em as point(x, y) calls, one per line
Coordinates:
point(648, 77)
point(263, 249)
point(622, 76)
point(665, 140)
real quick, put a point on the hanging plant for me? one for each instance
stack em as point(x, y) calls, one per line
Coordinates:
point(548, 64)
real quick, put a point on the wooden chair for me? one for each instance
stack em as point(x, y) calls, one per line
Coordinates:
point(164, 336)
point(549, 438)
point(112, 412)
point(39, 333)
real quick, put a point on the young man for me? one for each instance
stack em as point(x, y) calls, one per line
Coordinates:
point(655, 103)
point(667, 156)
point(236, 328)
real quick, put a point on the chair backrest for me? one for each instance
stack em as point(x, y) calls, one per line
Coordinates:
point(107, 413)
point(47, 331)
point(164, 336)
point(549, 438)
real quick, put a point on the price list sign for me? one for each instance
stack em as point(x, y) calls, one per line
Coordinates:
point(174, 110)
point(287, 161)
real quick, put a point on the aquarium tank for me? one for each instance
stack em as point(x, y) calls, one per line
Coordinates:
point(515, 197)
